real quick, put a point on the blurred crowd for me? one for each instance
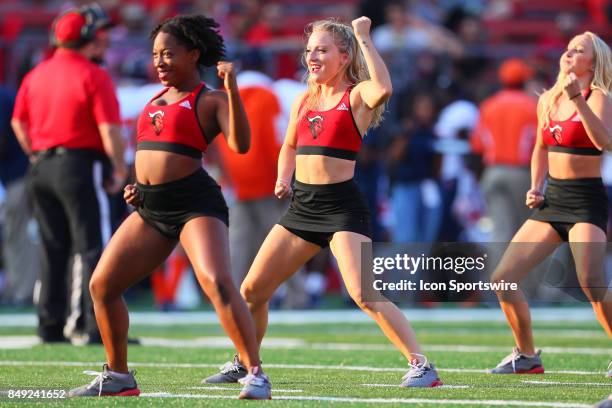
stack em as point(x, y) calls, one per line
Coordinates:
point(448, 158)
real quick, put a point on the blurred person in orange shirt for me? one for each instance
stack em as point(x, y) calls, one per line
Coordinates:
point(505, 136)
point(253, 175)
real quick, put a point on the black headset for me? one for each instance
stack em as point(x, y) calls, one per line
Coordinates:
point(95, 18)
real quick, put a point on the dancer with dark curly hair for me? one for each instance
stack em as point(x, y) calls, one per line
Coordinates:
point(177, 201)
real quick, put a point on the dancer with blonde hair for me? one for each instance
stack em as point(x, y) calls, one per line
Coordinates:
point(348, 85)
point(575, 126)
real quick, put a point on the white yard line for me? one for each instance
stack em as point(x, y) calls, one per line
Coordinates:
point(397, 386)
point(237, 388)
point(444, 402)
point(298, 317)
point(16, 342)
point(598, 384)
point(282, 366)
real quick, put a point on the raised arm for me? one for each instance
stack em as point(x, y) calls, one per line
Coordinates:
point(286, 157)
point(539, 167)
point(377, 89)
point(596, 115)
point(231, 116)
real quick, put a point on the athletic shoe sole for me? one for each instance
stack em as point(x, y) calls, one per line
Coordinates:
point(129, 393)
point(243, 396)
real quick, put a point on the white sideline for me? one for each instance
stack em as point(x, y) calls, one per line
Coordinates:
point(446, 402)
point(283, 366)
point(298, 317)
point(218, 388)
point(396, 386)
point(597, 384)
point(16, 342)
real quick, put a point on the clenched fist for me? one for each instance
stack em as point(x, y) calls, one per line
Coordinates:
point(282, 189)
point(226, 71)
point(534, 199)
point(131, 195)
point(571, 86)
point(361, 26)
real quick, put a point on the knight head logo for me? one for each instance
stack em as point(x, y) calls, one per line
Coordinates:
point(157, 120)
point(555, 131)
point(315, 124)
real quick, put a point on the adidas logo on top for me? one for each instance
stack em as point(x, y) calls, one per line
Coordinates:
point(185, 104)
point(342, 107)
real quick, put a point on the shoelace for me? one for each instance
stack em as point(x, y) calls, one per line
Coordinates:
point(416, 369)
point(251, 379)
point(230, 367)
point(512, 357)
point(100, 377)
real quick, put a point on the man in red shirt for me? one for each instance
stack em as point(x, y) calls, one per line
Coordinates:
point(505, 136)
point(66, 119)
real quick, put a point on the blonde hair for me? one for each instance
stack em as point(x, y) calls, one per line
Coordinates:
point(602, 77)
point(356, 70)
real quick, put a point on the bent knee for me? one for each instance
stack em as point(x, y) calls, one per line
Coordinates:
point(364, 304)
point(252, 295)
point(594, 290)
point(218, 287)
point(101, 290)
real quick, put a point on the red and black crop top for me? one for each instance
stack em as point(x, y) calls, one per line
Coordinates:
point(569, 136)
point(331, 133)
point(173, 127)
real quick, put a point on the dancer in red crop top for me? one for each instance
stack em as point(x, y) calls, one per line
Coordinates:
point(575, 125)
point(348, 84)
point(176, 201)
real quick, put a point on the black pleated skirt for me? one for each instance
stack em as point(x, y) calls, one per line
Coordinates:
point(574, 200)
point(168, 206)
point(328, 208)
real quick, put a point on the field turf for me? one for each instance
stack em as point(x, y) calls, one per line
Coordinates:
point(320, 365)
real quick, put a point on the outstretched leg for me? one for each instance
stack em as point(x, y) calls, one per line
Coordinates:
point(588, 243)
point(346, 247)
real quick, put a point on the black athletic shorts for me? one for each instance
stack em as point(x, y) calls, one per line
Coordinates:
point(317, 211)
point(569, 201)
point(168, 206)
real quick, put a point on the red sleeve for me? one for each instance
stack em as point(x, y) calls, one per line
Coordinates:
point(21, 111)
point(104, 99)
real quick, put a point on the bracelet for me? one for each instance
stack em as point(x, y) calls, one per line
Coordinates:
point(578, 94)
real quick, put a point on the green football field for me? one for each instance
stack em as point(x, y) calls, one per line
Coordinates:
point(325, 364)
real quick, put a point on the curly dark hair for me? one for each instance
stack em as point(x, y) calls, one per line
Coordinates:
point(195, 32)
